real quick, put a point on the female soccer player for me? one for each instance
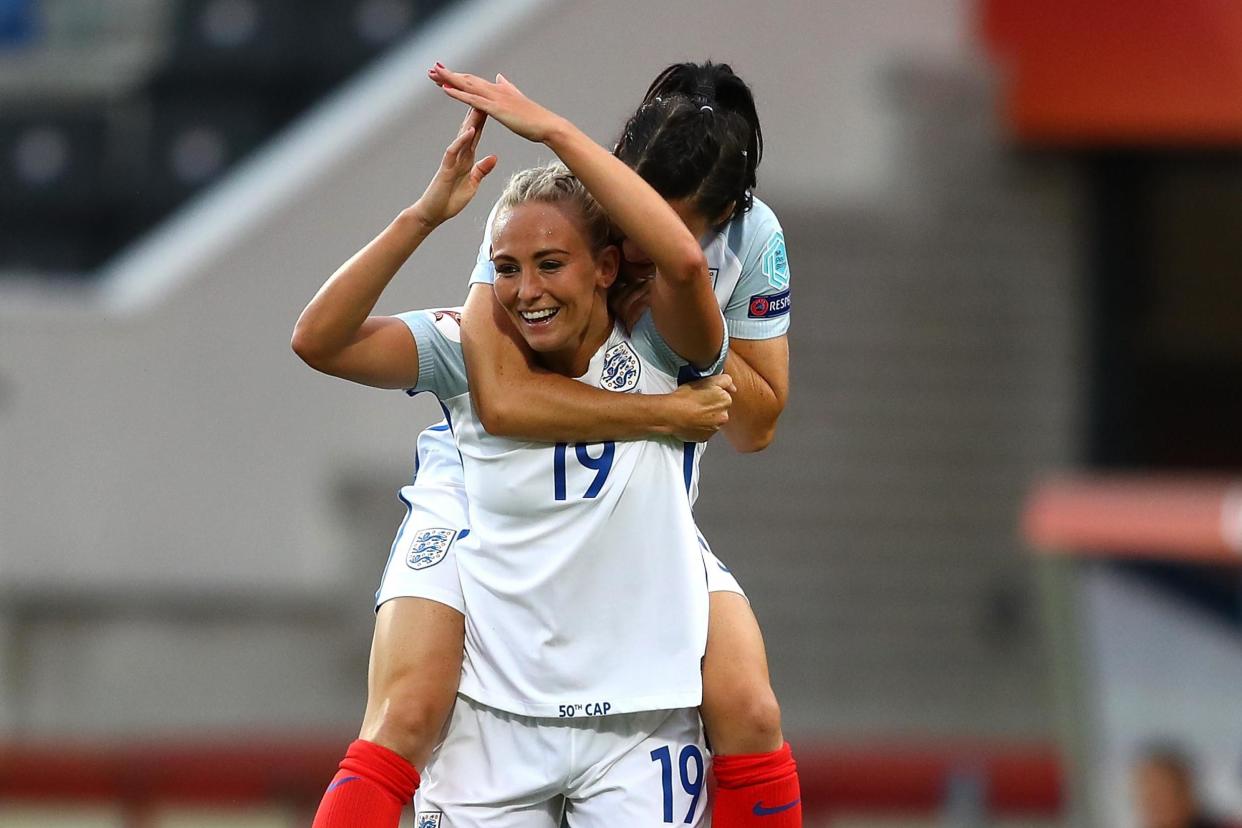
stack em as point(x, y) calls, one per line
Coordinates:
point(697, 138)
point(556, 535)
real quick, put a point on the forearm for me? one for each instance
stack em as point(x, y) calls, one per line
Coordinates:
point(338, 310)
point(552, 408)
point(636, 209)
point(756, 407)
point(515, 398)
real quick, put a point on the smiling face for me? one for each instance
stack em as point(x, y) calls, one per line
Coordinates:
point(552, 284)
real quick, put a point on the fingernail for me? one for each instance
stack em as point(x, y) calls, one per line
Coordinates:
point(439, 65)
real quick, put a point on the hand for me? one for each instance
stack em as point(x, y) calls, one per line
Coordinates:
point(458, 178)
point(501, 100)
point(701, 408)
point(629, 299)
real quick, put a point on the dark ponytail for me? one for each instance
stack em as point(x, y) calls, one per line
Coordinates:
point(697, 135)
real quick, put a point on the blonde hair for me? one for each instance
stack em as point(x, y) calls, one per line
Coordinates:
point(553, 183)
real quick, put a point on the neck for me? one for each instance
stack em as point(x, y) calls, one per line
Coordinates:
point(573, 361)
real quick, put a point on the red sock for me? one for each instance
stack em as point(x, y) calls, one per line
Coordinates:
point(369, 791)
point(757, 790)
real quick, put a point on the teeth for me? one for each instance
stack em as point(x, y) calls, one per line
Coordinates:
point(533, 316)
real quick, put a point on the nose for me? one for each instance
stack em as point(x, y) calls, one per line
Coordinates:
point(530, 287)
point(634, 254)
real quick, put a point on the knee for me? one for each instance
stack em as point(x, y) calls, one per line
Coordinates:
point(406, 722)
point(747, 721)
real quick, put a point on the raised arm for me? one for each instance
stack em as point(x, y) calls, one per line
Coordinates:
point(683, 306)
point(336, 333)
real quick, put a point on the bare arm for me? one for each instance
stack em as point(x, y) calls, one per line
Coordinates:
point(682, 303)
point(336, 333)
point(514, 397)
point(760, 370)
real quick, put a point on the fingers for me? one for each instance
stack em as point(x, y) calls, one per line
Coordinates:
point(476, 101)
point(478, 119)
point(460, 80)
point(481, 169)
point(459, 143)
point(475, 119)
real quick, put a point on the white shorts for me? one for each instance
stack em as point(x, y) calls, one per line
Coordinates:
point(719, 578)
point(422, 562)
point(501, 770)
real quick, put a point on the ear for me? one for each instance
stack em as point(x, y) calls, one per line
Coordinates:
point(607, 264)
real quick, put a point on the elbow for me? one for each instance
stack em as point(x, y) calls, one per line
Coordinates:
point(754, 440)
point(691, 264)
point(755, 435)
point(496, 417)
point(307, 347)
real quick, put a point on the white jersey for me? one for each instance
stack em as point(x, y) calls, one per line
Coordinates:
point(581, 571)
point(750, 276)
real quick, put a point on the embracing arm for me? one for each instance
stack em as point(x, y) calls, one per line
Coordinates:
point(683, 305)
point(514, 397)
point(760, 369)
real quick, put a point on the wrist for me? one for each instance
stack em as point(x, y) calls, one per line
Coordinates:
point(662, 418)
point(559, 133)
point(415, 219)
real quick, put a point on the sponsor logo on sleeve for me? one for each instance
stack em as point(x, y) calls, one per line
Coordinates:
point(428, 547)
point(621, 368)
point(448, 321)
point(775, 265)
point(769, 306)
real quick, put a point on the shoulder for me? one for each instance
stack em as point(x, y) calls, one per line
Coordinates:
point(437, 335)
point(438, 322)
point(755, 227)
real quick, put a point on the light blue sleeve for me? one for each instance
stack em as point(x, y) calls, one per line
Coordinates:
point(759, 305)
point(441, 365)
point(484, 272)
point(652, 347)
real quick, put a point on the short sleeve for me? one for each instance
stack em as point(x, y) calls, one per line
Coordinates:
point(484, 272)
point(441, 366)
point(651, 346)
point(759, 305)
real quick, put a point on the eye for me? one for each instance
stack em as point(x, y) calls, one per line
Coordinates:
point(550, 264)
point(506, 269)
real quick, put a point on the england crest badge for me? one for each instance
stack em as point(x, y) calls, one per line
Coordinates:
point(428, 547)
point(429, 819)
point(621, 368)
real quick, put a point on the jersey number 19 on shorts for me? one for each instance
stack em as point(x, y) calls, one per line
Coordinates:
point(600, 465)
point(690, 756)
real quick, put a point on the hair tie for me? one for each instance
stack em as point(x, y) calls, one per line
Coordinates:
point(706, 108)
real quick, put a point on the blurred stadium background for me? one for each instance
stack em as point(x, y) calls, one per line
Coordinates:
point(996, 555)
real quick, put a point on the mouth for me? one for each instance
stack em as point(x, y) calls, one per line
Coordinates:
point(539, 318)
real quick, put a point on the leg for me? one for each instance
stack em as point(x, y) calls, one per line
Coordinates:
point(415, 667)
point(739, 708)
point(756, 778)
point(416, 658)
